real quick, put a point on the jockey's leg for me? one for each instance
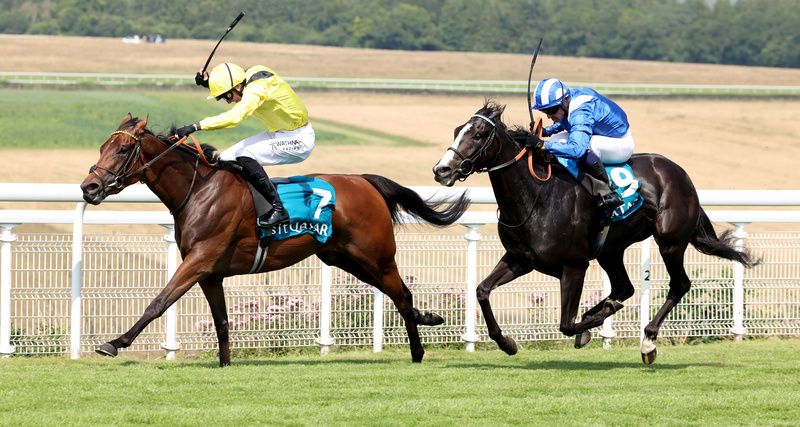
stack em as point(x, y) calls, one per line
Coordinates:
point(257, 176)
point(606, 194)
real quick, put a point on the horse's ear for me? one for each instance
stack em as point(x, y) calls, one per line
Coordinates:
point(498, 111)
point(142, 124)
point(127, 118)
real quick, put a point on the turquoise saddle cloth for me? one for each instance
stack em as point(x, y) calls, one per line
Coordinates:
point(627, 186)
point(309, 203)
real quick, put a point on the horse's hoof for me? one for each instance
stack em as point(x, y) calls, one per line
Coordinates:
point(583, 339)
point(509, 346)
point(433, 319)
point(649, 351)
point(107, 349)
point(649, 358)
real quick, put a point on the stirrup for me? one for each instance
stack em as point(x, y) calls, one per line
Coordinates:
point(610, 201)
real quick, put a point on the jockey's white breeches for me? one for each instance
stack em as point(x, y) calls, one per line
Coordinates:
point(274, 148)
point(609, 150)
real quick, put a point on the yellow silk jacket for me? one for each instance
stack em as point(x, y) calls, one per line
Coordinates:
point(269, 98)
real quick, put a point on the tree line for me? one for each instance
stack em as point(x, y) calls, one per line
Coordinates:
point(744, 32)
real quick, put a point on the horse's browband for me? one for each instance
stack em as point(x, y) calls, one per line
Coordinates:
point(124, 132)
point(484, 118)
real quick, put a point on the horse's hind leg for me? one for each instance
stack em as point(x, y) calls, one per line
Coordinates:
point(387, 279)
point(621, 289)
point(215, 295)
point(679, 285)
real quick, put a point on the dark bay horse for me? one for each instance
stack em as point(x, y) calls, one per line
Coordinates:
point(550, 225)
point(216, 232)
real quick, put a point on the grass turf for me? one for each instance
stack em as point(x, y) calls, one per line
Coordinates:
point(85, 118)
point(754, 382)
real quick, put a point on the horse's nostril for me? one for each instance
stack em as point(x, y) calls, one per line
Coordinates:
point(91, 188)
point(441, 170)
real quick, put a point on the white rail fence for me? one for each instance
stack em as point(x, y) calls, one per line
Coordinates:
point(67, 293)
point(373, 84)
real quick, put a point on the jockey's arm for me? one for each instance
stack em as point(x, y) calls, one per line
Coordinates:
point(553, 129)
point(242, 110)
point(580, 133)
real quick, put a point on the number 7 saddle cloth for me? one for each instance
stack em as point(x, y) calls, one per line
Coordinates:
point(308, 201)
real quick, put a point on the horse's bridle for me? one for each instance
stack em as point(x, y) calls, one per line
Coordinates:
point(467, 165)
point(120, 177)
point(124, 172)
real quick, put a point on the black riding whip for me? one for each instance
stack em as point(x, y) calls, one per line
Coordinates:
point(530, 74)
point(230, 27)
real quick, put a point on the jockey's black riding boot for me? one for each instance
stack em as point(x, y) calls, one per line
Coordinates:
point(606, 200)
point(257, 176)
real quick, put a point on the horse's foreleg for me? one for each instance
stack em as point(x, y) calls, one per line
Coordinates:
point(505, 271)
point(215, 294)
point(187, 274)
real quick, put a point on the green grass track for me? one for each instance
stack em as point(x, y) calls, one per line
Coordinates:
point(755, 382)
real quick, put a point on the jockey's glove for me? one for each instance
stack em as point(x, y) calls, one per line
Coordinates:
point(201, 79)
point(186, 130)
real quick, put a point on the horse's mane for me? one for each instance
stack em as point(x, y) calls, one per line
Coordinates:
point(208, 150)
point(490, 108)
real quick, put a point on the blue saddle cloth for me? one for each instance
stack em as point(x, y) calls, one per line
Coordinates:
point(627, 186)
point(309, 203)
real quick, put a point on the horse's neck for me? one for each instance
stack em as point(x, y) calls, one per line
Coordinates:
point(171, 176)
point(515, 190)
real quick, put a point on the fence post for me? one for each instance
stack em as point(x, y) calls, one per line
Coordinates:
point(607, 331)
point(377, 324)
point(171, 344)
point(77, 282)
point(738, 330)
point(325, 340)
point(644, 289)
point(6, 349)
point(470, 336)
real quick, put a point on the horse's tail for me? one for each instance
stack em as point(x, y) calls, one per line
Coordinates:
point(398, 197)
point(705, 240)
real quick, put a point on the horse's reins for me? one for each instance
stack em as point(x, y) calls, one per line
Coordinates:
point(119, 177)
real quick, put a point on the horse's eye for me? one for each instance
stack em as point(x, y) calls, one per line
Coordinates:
point(122, 150)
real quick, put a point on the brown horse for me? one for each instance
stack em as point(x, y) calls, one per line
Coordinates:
point(550, 224)
point(215, 227)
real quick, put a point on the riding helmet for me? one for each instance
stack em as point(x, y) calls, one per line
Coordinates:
point(548, 93)
point(223, 78)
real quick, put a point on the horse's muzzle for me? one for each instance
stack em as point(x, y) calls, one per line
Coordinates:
point(444, 175)
point(92, 192)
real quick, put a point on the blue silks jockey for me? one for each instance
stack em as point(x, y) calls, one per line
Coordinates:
point(587, 127)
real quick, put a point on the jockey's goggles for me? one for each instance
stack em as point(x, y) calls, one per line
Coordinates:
point(551, 110)
point(226, 95)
